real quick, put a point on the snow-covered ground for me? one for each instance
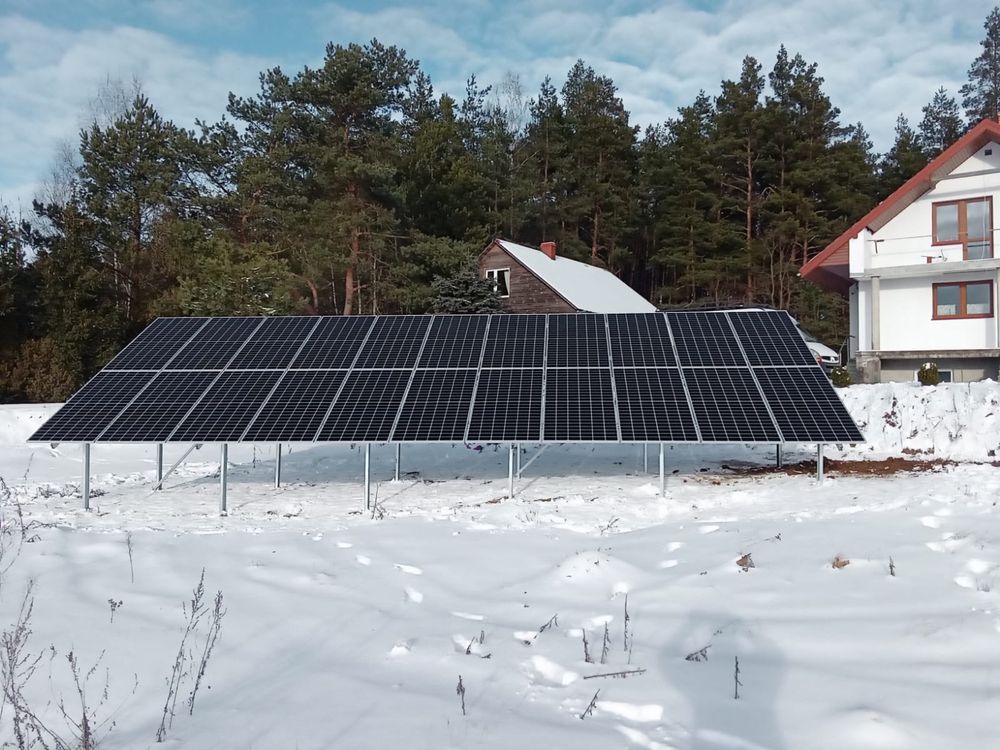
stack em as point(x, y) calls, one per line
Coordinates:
point(348, 630)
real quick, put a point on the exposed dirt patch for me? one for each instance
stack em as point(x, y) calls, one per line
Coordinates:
point(833, 467)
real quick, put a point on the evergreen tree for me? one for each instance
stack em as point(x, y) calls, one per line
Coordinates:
point(465, 292)
point(600, 165)
point(128, 180)
point(981, 95)
point(682, 192)
point(738, 144)
point(546, 145)
point(903, 160)
point(941, 124)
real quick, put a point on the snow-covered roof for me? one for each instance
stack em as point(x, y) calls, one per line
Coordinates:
point(584, 286)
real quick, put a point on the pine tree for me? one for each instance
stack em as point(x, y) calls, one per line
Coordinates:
point(128, 180)
point(981, 95)
point(941, 124)
point(600, 165)
point(739, 147)
point(546, 146)
point(903, 160)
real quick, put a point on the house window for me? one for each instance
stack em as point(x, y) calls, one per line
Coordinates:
point(968, 223)
point(501, 280)
point(967, 299)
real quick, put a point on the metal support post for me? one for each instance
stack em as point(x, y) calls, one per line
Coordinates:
point(510, 473)
point(86, 476)
point(159, 466)
point(399, 451)
point(645, 458)
point(819, 462)
point(277, 466)
point(663, 474)
point(518, 460)
point(779, 460)
point(368, 476)
point(223, 478)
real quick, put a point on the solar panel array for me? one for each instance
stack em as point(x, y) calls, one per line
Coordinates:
point(733, 376)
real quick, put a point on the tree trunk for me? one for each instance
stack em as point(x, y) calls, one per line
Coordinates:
point(349, 273)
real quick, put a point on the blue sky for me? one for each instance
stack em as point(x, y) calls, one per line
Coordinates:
point(878, 58)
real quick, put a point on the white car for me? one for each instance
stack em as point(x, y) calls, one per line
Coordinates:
point(825, 356)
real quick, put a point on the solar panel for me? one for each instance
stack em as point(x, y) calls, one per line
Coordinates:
point(215, 344)
point(705, 340)
point(579, 340)
point(227, 408)
point(579, 405)
point(640, 341)
point(366, 407)
point(454, 341)
point(297, 408)
point(91, 408)
point(515, 341)
point(394, 342)
point(561, 378)
point(155, 412)
point(274, 344)
point(436, 406)
point(156, 344)
point(771, 338)
point(652, 406)
point(508, 406)
point(334, 343)
point(728, 406)
point(806, 407)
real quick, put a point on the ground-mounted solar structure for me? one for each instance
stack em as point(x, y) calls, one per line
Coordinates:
point(663, 378)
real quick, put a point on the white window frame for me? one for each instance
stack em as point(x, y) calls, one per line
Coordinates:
point(493, 273)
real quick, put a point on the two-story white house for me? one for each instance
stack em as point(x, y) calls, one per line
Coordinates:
point(922, 270)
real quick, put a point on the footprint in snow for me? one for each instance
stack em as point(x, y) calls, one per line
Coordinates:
point(636, 712)
point(412, 595)
point(344, 545)
point(547, 672)
point(931, 522)
point(667, 564)
point(707, 529)
point(674, 546)
point(363, 560)
point(410, 569)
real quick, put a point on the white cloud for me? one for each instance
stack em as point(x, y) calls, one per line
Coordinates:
point(878, 59)
point(50, 74)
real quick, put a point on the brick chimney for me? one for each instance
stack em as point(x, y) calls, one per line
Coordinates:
point(549, 248)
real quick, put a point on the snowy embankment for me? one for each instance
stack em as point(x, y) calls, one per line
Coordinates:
point(349, 629)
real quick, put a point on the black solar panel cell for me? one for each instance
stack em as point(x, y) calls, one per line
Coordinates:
point(579, 340)
point(436, 406)
point(156, 344)
point(728, 407)
point(515, 341)
point(454, 341)
point(705, 339)
point(227, 408)
point(394, 342)
point(157, 410)
point(274, 344)
point(640, 341)
point(806, 406)
point(334, 344)
point(652, 406)
point(367, 407)
point(92, 408)
point(579, 405)
point(771, 338)
point(297, 408)
point(508, 406)
point(215, 344)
